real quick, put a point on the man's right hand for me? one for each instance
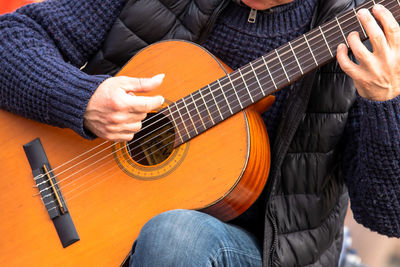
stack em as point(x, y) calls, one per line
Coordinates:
point(115, 113)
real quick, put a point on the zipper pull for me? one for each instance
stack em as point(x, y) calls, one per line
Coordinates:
point(252, 16)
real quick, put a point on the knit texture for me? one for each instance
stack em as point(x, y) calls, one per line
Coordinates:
point(42, 47)
point(371, 142)
point(236, 41)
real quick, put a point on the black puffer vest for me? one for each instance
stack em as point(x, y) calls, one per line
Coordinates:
point(306, 196)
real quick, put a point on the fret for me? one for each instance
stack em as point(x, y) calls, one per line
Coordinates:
point(320, 51)
point(344, 37)
point(303, 54)
point(234, 89)
point(305, 38)
point(205, 104)
point(231, 95)
point(288, 59)
point(331, 34)
point(175, 122)
point(283, 67)
point(204, 112)
point(184, 118)
point(297, 60)
point(327, 45)
point(215, 101)
point(226, 100)
point(258, 81)
point(359, 22)
point(269, 72)
point(198, 114)
point(218, 92)
point(245, 85)
point(240, 86)
point(190, 116)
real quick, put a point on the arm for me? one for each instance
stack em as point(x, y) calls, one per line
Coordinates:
point(372, 155)
point(42, 47)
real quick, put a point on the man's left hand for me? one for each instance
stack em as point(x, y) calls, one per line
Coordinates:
point(377, 76)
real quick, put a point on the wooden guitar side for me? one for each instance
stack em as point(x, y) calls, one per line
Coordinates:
point(221, 172)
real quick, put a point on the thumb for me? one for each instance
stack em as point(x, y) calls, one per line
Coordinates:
point(142, 84)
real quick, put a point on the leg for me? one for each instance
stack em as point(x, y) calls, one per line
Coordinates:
point(191, 238)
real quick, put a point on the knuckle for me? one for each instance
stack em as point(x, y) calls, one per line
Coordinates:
point(115, 119)
point(115, 105)
point(378, 38)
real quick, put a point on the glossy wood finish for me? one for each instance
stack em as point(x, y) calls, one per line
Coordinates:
point(223, 171)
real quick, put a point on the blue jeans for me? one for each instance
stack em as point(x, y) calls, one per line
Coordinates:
point(191, 238)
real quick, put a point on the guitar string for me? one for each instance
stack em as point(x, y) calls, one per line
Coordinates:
point(88, 181)
point(153, 152)
point(243, 89)
point(41, 175)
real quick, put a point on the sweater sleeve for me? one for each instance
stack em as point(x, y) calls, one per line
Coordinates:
point(372, 164)
point(42, 47)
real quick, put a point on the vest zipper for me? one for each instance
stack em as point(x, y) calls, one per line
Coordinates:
point(252, 16)
point(275, 241)
point(211, 22)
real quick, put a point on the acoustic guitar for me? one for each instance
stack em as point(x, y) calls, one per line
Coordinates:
point(66, 201)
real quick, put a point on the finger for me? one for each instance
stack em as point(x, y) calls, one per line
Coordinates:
point(359, 50)
point(348, 66)
point(374, 32)
point(120, 137)
point(145, 104)
point(389, 23)
point(141, 84)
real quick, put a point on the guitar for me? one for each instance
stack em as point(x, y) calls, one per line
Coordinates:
point(69, 201)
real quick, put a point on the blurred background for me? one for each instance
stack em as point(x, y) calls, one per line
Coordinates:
point(369, 249)
point(362, 247)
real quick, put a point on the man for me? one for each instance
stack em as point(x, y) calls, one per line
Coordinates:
point(322, 132)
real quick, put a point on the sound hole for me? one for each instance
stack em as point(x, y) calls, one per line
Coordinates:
point(154, 142)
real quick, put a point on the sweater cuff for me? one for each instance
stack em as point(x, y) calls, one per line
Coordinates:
point(381, 118)
point(68, 100)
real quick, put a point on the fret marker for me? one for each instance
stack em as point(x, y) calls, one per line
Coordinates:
point(176, 125)
point(223, 93)
point(216, 104)
point(344, 37)
point(206, 107)
point(190, 117)
point(202, 122)
point(361, 26)
point(309, 47)
point(234, 89)
point(322, 33)
point(283, 67)
point(255, 75)
point(245, 84)
point(295, 57)
point(272, 79)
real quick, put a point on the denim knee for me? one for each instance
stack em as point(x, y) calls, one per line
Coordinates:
point(191, 238)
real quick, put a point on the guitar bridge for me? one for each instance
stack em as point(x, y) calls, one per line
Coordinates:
point(50, 192)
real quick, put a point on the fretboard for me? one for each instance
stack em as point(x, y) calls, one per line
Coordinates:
point(230, 94)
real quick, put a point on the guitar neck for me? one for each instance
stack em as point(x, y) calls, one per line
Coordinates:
point(234, 92)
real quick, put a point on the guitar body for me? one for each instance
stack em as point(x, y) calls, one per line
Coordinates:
point(109, 196)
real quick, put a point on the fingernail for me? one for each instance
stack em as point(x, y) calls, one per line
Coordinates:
point(162, 100)
point(378, 7)
point(362, 12)
point(159, 77)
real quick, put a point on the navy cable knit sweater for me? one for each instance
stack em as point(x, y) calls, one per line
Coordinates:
point(42, 47)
